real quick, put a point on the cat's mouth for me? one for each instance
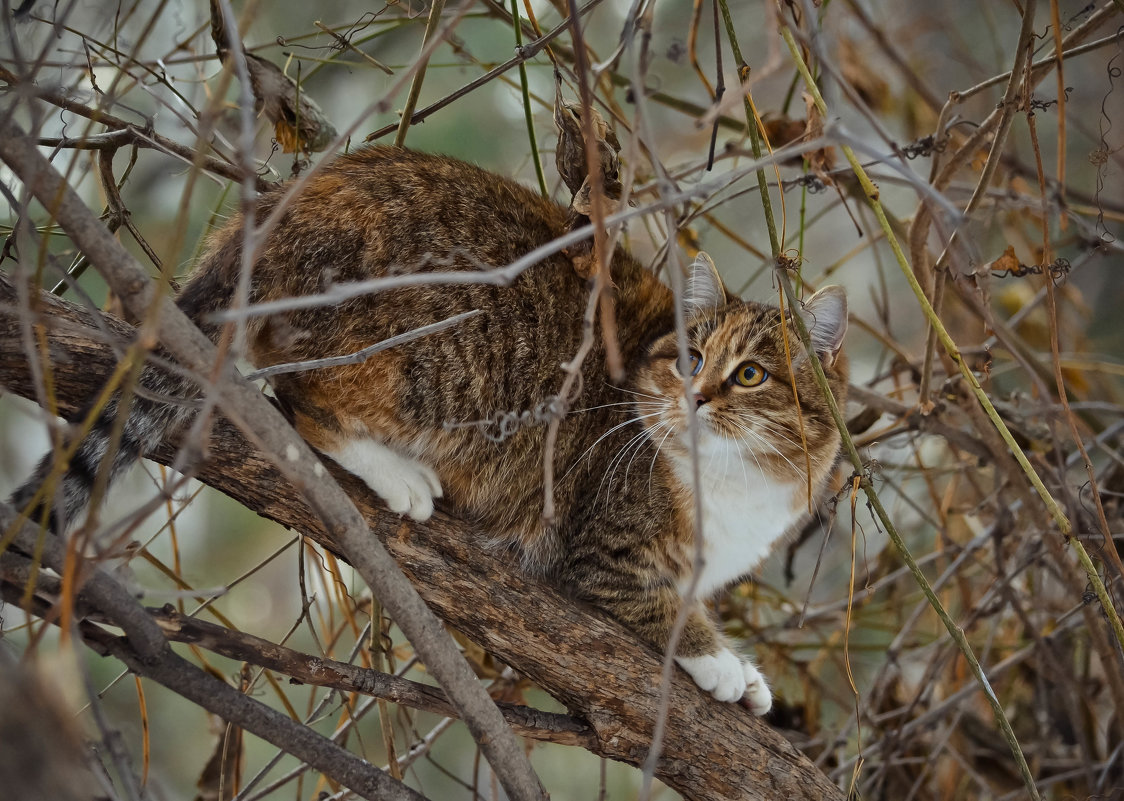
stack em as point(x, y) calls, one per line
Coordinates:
point(715, 430)
point(705, 422)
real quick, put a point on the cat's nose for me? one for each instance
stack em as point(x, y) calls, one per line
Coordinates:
point(700, 399)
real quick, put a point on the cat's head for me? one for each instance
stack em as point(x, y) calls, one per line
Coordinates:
point(741, 373)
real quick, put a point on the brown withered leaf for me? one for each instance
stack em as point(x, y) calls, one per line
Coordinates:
point(1007, 262)
point(688, 239)
point(782, 130)
point(298, 123)
point(858, 71)
point(822, 160)
point(570, 157)
point(583, 203)
point(483, 664)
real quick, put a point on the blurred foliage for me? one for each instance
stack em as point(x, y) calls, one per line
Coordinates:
point(869, 685)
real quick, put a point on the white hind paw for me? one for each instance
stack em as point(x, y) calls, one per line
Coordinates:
point(406, 485)
point(410, 490)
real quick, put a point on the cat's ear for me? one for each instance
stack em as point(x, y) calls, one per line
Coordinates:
point(825, 314)
point(705, 291)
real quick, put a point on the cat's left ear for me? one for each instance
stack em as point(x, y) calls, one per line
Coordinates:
point(825, 314)
point(705, 291)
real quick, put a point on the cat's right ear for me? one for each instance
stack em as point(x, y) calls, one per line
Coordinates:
point(705, 291)
point(825, 314)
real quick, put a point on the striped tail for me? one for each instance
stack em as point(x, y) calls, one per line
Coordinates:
point(162, 406)
point(148, 424)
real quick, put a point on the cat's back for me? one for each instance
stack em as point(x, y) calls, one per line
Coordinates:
point(385, 213)
point(387, 209)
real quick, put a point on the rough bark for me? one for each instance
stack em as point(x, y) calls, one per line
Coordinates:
point(597, 669)
point(144, 300)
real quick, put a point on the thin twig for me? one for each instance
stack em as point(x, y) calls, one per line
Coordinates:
point(360, 356)
point(435, 9)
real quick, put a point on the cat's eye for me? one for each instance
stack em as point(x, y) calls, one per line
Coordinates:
point(693, 365)
point(750, 374)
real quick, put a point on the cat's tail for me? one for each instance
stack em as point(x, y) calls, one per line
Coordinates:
point(163, 403)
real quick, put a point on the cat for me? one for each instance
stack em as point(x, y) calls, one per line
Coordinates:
point(462, 414)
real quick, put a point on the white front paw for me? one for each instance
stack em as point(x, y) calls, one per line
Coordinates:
point(728, 678)
point(756, 690)
point(720, 674)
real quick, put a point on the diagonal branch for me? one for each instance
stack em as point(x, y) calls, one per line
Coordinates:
point(146, 652)
point(243, 402)
point(17, 573)
point(597, 669)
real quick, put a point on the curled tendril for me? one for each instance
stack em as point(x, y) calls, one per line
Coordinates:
point(789, 260)
point(502, 425)
point(1043, 105)
point(1057, 270)
point(811, 182)
point(925, 146)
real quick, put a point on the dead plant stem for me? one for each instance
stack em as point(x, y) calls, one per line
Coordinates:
point(419, 74)
point(875, 503)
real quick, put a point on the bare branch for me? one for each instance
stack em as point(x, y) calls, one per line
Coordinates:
point(146, 652)
point(597, 669)
point(242, 401)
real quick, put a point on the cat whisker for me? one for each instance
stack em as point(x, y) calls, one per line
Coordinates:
point(634, 444)
point(659, 447)
point(757, 438)
point(774, 429)
point(737, 452)
point(629, 403)
point(608, 433)
point(753, 454)
point(659, 398)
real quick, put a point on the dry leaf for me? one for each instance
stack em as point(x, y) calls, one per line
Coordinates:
point(1006, 262)
point(783, 130)
point(570, 157)
point(688, 238)
point(822, 160)
point(858, 72)
point(298, 123)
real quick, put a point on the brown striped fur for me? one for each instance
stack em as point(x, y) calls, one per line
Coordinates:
point(470, 402)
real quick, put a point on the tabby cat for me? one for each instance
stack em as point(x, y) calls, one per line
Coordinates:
point(462, 414)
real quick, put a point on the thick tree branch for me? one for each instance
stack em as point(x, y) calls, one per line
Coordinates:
point(16, 572)
point(146, 652)
point(588, 662)
point(241, 401)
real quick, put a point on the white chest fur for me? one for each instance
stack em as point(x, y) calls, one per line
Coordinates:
point(744, 512)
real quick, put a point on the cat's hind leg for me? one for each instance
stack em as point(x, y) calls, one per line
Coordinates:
point(406, 485)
